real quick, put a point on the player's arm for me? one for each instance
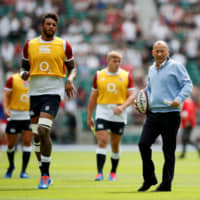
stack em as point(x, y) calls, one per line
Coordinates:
point(71, 71)
point(91, 106)
point(7, 96)
point(92, 102)
point(69, 85)
point(25, 66)
point(130, 100)
point(5, 102)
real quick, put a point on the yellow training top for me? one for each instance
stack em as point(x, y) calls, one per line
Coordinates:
point(47, 59)
point(112, 89)
point(19, 97)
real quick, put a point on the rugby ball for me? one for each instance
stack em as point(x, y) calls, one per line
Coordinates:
point(142, 101)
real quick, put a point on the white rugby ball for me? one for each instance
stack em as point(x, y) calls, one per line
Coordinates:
point(142, 101)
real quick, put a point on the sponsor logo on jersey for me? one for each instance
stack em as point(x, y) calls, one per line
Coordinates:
point(111, 87)
point(24, 98)
point(44, 49)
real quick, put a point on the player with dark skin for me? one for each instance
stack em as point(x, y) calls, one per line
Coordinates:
point(46, 68)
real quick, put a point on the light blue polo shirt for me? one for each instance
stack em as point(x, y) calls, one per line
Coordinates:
point(170, 82)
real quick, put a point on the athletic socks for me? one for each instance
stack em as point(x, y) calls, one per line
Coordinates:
point(45, 165)
point(25, 157)
point(114, 161)
point(101, 157)
point(40, 166)
point(10, 154)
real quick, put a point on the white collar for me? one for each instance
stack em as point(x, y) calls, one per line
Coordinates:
point(44, 41)
point(162, 64)
point(113, 74)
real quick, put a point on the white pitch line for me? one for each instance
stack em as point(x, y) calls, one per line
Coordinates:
point(97, 185)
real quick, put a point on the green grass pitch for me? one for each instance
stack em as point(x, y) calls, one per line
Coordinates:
point(73, 175)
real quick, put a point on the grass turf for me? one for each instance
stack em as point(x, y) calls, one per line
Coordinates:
point(73, 179)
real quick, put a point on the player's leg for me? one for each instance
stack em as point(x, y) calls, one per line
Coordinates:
point(115, 141)
point(12, 140)
point(27, 147)
point(3, 136)
point(102, 140)
point(45, 124)
point(185, 141)
point(193, 142)
point(36, 141)
point(48, 110)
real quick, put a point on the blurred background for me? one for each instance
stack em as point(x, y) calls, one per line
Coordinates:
point(94, 27)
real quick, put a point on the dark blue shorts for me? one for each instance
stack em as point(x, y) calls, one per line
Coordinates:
point(44, 103)
point(17, 126)
point(114, 127)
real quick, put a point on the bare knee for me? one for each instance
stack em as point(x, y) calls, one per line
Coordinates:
point(43, 131)
point(36, 138)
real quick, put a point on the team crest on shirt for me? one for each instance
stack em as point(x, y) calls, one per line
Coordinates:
point(44, 49)
point(47, 108)
point(26, 84)
point(120, 79)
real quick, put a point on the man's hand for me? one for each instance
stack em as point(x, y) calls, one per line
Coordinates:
point(90, 123)
point(24, 75)
point(7, 112)
point(118, 110)
point(70, 89)
point(175, 103)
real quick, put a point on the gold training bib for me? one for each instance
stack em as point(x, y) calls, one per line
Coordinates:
point(112, 89)
point(47, 59)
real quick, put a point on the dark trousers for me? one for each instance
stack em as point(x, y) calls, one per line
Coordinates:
point(167, 125)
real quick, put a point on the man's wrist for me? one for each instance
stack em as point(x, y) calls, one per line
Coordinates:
point(69, 81)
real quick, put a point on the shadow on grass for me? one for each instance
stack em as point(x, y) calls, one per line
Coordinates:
point(17, 189)
point(128, 192)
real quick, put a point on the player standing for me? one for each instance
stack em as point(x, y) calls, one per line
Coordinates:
point(45, 59)
point(112, 93)
point(16, 108)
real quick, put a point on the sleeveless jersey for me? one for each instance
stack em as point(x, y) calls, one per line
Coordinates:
point(112, 89)
point(47, 58)
point(19, 98)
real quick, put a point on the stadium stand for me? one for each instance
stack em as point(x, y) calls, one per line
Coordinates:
point(95, 27)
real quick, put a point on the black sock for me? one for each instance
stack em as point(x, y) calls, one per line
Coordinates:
point(114, 164)
point(26, 157)
point(45, 168)
point(11, 158)
point(100, 162)
point(40, 167)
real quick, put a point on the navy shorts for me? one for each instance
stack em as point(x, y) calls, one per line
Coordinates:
point(44, 103)
point(114, 127)
point(17, 126)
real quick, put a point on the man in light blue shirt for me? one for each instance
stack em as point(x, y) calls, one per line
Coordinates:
point(168, 86)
